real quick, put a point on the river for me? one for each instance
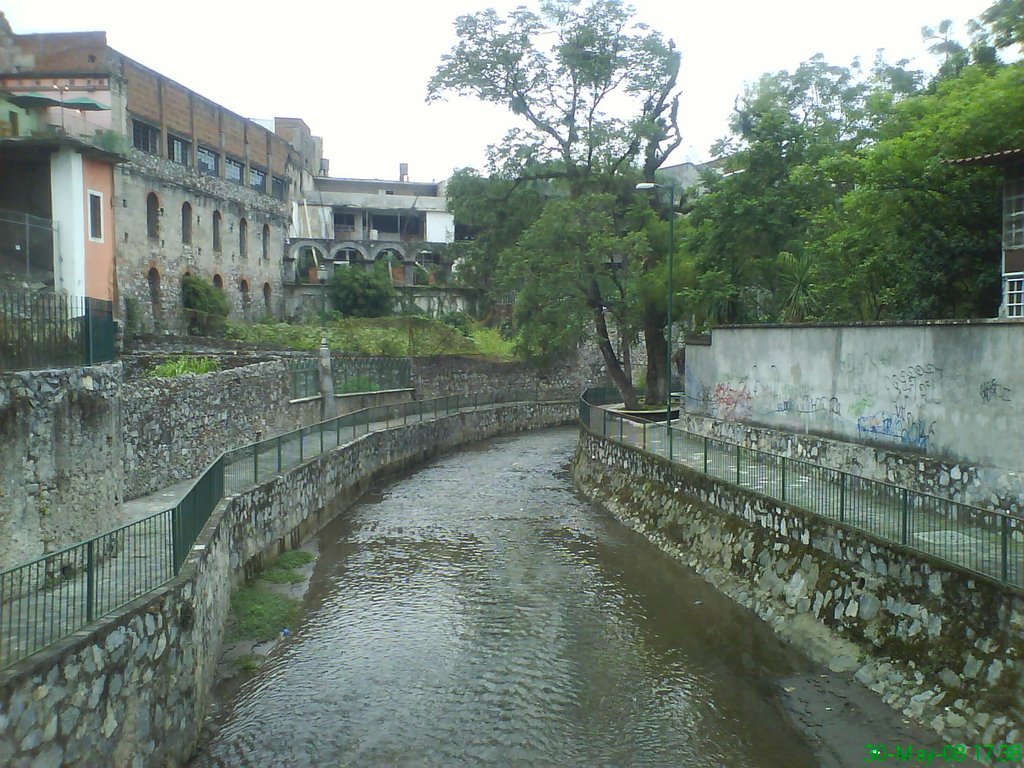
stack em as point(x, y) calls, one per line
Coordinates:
point(480, 612)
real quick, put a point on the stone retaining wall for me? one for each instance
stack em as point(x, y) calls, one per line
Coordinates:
point(454, 375)
point(939, 645)
point(133, 689)
point(61, 454)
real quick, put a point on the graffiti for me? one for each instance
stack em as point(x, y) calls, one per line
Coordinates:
point(900, 425)
point(915, 383)
point(993, 390)
point(731, 403)
point(808, 404)
point(862, 405)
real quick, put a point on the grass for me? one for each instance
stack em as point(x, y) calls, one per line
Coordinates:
point(179, 366)
point(380, 336)
point(258, 614)
point(490, 342)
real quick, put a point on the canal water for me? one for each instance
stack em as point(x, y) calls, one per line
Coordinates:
point(479, 612)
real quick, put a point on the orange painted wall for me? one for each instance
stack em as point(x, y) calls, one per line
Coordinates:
point(98, 176)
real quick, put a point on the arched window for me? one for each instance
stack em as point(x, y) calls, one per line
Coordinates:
point(216, 230)
point(266, 242)
point(243, 288)
point(243, 239)
point(218, 282)
point(186, 223)
point(267, 296)
point(154, 291)
point(152, 215)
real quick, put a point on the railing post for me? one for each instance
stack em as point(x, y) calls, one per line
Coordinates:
point(175, 535)
point(842, 497)
point(279, 454)
point(321, 437)
point(256, 463)
point(644, 428)
point(905, 525)
point(783, 478)
point(738, 449)
point(621, 420)
point(1005, 554)
point(302, 435)
point(90, 580)
point(705, 454)
point(604, 423)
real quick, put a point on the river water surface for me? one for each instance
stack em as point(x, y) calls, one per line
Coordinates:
point(479, 612)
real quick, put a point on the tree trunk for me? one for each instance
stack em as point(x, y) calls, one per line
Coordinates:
point(622, 382)
point(654, 339)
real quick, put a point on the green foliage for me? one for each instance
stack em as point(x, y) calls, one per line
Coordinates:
point(385, 336)
point(355, 384)
point(491, 343)
point(259, 615)
point(179, 366)
point(356, 292)
point(206, 306)
point(294, 558)
point(460, 321)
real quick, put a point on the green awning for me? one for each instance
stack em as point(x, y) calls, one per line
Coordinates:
point(33, 100)
point(84, 104)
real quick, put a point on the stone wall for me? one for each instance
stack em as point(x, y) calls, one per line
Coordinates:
point(134, 689)
point(941, 646)
point(454, 375)
point(175, 428)
point(946, 390)
point(62, 458)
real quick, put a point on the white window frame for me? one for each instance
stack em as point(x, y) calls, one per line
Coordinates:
point(1013, 291)
point(90, 194)
point(1013, 214)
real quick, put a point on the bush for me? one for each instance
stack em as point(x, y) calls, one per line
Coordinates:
point(356, 292)
point(206, 306)
point(179, 366)
point(460, 321)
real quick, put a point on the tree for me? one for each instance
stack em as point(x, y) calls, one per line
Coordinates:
point(595, 94)
point(1003, 22)
point(206, 306)
point(356, 292)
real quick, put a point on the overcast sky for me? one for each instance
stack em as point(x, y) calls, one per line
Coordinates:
point(356, 72)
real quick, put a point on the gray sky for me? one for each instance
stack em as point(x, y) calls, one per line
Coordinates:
point(356, 72)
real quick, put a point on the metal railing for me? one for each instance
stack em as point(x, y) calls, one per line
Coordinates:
point(47, 330)
point(56, 595)
point(351, 374)
point(986, 542)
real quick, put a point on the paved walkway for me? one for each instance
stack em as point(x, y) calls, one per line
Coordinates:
point(938, 527)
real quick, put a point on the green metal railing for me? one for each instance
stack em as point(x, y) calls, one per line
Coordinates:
point(56, 595)
point(46, 330)
point(351, 374)
point(986, 542)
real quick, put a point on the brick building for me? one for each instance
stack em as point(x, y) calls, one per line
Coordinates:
point(203, 190)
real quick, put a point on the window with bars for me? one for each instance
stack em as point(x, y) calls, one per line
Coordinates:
point(233, 170)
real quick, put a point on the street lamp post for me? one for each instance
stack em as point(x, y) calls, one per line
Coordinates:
point(647, 185)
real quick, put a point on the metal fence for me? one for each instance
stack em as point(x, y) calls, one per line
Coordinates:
point(47, 330)
point(351, 374)
point(56, 595)
point(987, 542)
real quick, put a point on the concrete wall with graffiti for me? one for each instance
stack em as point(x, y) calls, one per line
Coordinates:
point(952, 390)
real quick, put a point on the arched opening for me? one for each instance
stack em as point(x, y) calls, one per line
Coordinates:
point(216, 230)
point(243, 288)
point(243, 238)
point(218, 282)
point(153, 215)
point(395, 267)
point(346, 256)
point(153, 278)
point(307, 259)
point(186, 223)
point(268, 298)
point(266, 242)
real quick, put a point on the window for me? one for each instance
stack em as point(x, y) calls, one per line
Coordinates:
point(145, 137)
point(266, 242)
point(207, 161)
point(152, 216)
point(216, 230)
point(95, 216)
point(12, 118)
point(1013, 214)
point(277, 187)
point(243, 238)
point(153, 278)
point(267, 296)
point(178, 150)
point(233, 170)
point(1015, 295)
point(218, 282)
point(243, 288)
point(186, 224)
point(257, 179)
point(383, 223)
point(344, 222)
